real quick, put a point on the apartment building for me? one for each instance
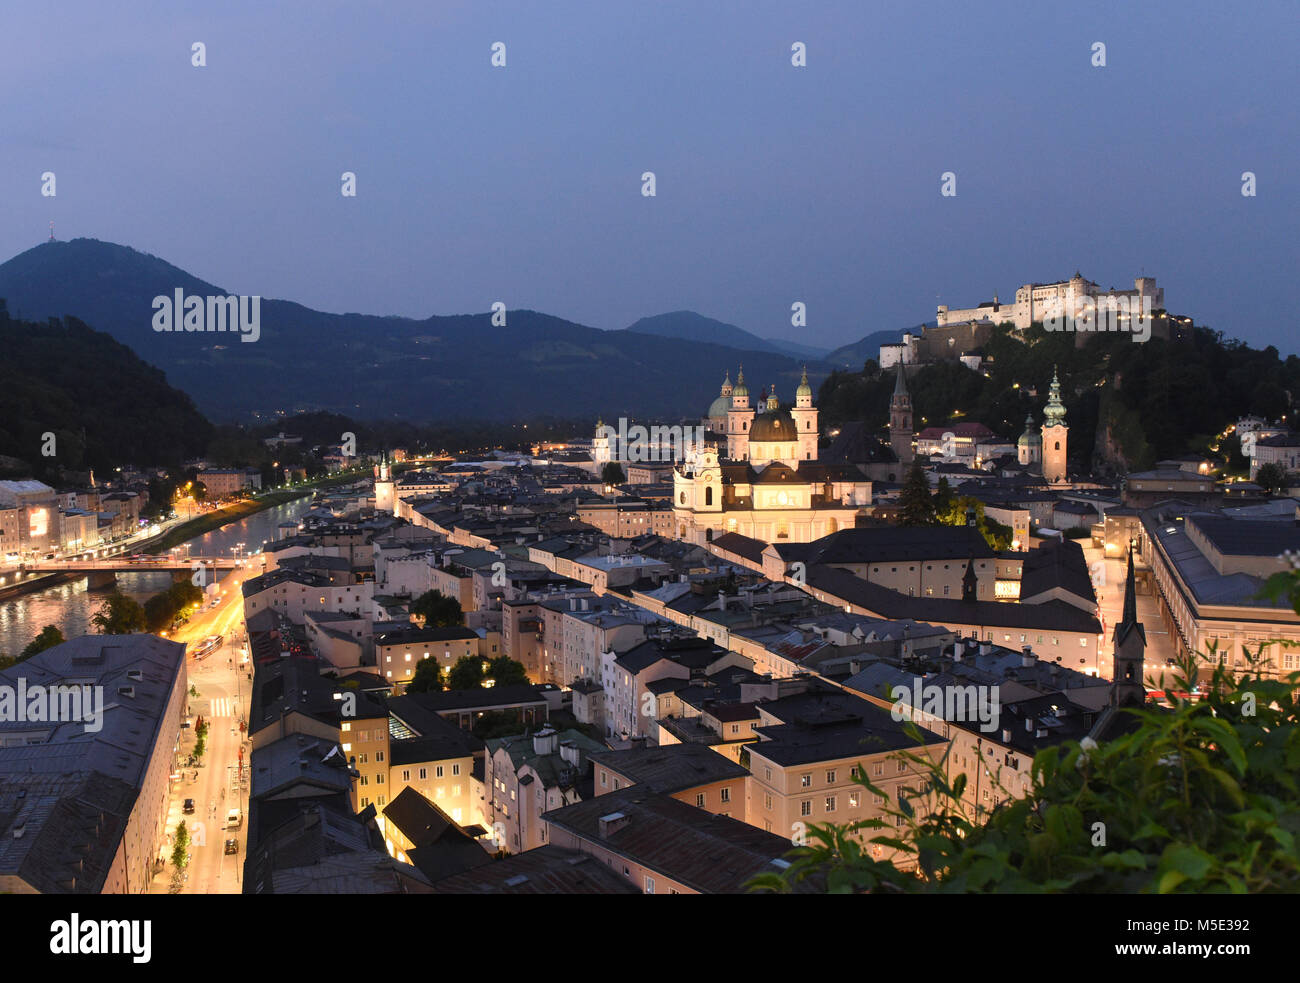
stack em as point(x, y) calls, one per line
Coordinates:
point(692, 773)
point(528, 775)
point(84, 791)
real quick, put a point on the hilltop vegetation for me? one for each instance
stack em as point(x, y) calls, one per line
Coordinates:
point(102, 404)
point(1157, 399)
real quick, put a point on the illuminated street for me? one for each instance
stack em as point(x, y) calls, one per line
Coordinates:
point(223, 689)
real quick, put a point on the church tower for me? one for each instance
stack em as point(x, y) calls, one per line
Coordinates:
point(739, 418)
point(805, 419)
point(1055, 433)
point(900, 419)
point(601, 452)
point(385, 498)
point(1029, 449)
point(1127, 688)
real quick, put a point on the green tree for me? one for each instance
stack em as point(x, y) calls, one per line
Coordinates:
point(467, 673)
point(180, 852)
point(942, 496)
point(612, 473)
point(49, 637)
point(1199, 797)
point(118, 615)
point(505, 671)
point(1272, 478)
point(914, 501)
point(435, 610)
point(198, 491)
point(427, 677)
point(997, 535)
point(159, 612)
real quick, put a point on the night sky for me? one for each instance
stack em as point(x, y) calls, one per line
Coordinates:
point(775, 184)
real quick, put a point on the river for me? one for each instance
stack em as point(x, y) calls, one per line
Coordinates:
point(70, 606)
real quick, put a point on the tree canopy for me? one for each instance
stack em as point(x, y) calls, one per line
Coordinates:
point(118, 615)
point(435, 610)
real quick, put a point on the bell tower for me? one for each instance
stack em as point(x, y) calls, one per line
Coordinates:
point(900, 419)
point(739, 419)
point(1055, 434)
point(805, 419)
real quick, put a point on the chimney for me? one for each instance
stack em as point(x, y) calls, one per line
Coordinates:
point(546, 741)
point(986, 648)
point(1027, 657)
point(1006, 735)
point(569, 753)
point(612, 823)
point(1029, 725)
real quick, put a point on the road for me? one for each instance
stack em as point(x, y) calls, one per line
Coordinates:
point(1108, 578)
point(223, 688)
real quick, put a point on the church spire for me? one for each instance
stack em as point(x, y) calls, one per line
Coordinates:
point(969, 582)
point(1129, 620)
point(1054, 412)
point(1127, 688)
point(900, 383)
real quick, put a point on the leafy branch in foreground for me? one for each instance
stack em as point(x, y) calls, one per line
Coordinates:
point(1200, 796)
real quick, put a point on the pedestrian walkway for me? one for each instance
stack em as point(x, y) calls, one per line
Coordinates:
point(225, 706)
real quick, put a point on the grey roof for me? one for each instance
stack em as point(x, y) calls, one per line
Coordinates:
point(547, 869)
point(671, 768)
point(888, 543)
point(882, 601)
point(708, 853)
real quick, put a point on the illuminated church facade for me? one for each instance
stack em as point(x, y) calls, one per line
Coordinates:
point(761, 477)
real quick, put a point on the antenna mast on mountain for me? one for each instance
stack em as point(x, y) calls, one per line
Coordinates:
point(51, 232)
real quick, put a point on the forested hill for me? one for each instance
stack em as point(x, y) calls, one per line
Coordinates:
point(103, 405)
point(1156, 400)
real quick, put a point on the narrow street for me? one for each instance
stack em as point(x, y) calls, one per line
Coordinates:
point(1108, 578)
point(221, 680)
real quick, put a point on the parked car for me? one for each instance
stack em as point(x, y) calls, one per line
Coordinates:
point(232, 846)
point(234, 819)
point(188, 807)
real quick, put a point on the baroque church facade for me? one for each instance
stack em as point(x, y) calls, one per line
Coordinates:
point(760, 477)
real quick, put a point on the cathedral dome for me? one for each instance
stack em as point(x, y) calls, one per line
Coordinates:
point(775, 425)
point(719, 407)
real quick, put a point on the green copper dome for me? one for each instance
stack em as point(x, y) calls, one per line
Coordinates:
point(804, 389)
point(741, 389)
point(1031, 436)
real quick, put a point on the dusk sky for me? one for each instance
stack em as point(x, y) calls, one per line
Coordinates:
point(775, 184)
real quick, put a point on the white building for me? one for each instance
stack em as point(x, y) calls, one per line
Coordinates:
point(1039, 301)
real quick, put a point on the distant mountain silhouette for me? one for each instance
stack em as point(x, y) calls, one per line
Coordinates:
point(440, 368)
point(697, 327)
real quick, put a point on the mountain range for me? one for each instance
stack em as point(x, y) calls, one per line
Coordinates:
point(440, 368)
point(697, 327)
